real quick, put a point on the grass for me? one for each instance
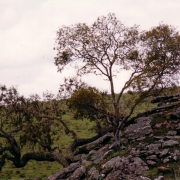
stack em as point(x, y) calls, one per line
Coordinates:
point(33, 169)
point(169, 175)
point(84, 129)
point(42, 170)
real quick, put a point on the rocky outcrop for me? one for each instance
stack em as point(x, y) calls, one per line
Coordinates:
point(138, 130)
point(150, 142)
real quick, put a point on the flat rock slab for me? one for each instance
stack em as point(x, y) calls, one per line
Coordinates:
point(140, 129)
point(170, 143)
point(78, 173)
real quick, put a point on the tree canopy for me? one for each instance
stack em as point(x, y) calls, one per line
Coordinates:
point(30, 122)
point(107, 47)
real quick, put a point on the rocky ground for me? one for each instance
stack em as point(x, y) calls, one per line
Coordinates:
point(150, 151)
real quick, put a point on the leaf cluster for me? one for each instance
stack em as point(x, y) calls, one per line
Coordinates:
point(83, 102)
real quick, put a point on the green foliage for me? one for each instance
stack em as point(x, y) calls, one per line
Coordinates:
point(107, 47)
point(83, 101)
point(104, 48)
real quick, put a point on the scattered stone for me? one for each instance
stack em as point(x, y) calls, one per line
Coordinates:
point(176, 155)
point(141, 138)
point(154, 152)
point(144, 178)
point(172, 137)
point(110, 164)
point(171, 133)
point(154, 147)
point(178, 126)
point(134, 152)
point(107, 154)
point(166, 160)
point(158, 125)
point(151, 163)
point(78, 173)
point(158, 137)
point(164, 153)
point(174, 115)
point(141, 128)
point(170, 143)
point(159, 178)
point(126, 165)
point(63, 173)
point(118, 174)
point(93, 174)
point(152, 157)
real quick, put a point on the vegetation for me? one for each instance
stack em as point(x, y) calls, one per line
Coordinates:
point(107, 47)
point(36, 128)
point(23, 134)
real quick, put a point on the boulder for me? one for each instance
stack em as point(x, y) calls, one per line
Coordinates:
point(124, 167)
point(78, 173)
point(140, 129)
point(109, 165)
point(93, 174)
point(164, 153)
point(169, 143)
point(64, 172)
point(171, 133)
point(174, 115)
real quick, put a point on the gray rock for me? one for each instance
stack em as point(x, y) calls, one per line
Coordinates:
point(176, 155)
point(78, 173)
point(177, 152)
point(170, 143)
point(63, 173)
point(154, 147)
point(166, 160)
point(172, 137)
point(134, 152)
point(158, 125)
point(99, 155)
point(141, 128)
point(144, 178)
point(159, 178)
point(93, 174)
point(140, 139)
point(178, 126)
point(174, 115)
point(152, 157)
point(97, 158)
point(164, 153)
point(118, 174)
point(151, 163)
point(137, 162)
point(107, 154)
point(158, 137)
point(171, 133)
point(124, 167)
point(110, 164)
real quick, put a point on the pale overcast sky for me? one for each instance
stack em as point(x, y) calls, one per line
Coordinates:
point(28, 31)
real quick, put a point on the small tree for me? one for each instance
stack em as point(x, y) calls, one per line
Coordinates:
point(107, 47)
point(37, 124)
point(87, 103)
point(30, 122)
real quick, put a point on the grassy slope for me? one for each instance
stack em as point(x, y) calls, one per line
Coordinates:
point(43, 169)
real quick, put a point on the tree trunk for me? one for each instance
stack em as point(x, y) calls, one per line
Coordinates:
point(117, 137)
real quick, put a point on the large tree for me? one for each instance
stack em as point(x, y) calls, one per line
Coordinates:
point(107, 47)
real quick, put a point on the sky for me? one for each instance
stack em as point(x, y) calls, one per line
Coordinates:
point(28, 32)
